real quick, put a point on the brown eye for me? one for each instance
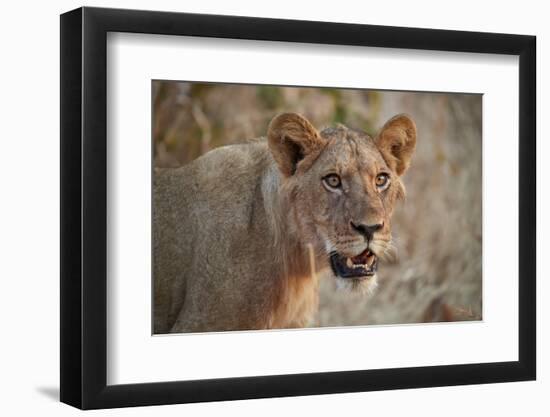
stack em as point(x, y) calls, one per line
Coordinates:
point(382, 180)
point(333, 181)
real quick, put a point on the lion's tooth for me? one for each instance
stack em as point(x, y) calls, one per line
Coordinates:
point(370, 260)
point(349, 263)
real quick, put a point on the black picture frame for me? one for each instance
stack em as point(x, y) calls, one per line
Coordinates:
point(84, 207)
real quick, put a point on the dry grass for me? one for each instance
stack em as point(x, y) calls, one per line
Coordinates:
point(437, 230)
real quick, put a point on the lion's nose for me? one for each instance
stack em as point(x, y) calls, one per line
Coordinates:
point(367, 230)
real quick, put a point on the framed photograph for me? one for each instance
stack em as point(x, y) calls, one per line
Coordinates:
point(257, 208)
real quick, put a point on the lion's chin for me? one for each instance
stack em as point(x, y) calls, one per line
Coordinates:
point(355, 274)
point(364, 285)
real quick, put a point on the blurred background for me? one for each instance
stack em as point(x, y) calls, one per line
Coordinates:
point(437, 230)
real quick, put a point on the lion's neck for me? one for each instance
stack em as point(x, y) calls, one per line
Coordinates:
point(285, 234)
point(293, 258)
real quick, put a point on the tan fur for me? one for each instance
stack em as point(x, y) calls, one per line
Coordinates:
point(242, 234)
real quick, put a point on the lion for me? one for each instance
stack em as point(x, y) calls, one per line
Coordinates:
point(243, 234)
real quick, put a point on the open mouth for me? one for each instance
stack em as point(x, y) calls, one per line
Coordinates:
point(360, 266)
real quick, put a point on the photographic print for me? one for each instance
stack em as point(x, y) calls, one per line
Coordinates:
point(279, 207)
point(291, 211)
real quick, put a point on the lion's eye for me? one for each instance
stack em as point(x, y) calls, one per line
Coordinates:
point(382, 180)
point(333, 181)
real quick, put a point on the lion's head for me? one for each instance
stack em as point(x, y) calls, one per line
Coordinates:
point(341, 186)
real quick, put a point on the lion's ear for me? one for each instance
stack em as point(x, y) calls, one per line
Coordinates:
point(291, 139)
point(397, 142)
